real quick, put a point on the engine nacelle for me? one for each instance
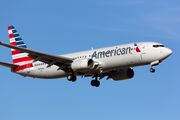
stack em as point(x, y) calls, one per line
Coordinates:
point(122, 74)
point(82, 64)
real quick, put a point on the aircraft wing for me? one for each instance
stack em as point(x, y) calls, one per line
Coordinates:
point(8, 65)
point(41, 56)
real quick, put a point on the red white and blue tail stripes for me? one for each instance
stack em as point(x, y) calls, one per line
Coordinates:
point(19, 58)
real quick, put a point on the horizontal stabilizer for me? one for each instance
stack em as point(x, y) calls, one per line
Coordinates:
point(9, 65)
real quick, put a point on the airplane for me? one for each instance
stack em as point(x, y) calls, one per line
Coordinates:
point(114, 62)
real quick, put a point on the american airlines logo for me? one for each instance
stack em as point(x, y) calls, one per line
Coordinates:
point(114, 52)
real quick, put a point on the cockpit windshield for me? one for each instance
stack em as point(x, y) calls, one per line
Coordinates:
point(158, 46)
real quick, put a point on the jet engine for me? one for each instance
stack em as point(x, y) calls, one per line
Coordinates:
point(122, 74)
point(82, 64)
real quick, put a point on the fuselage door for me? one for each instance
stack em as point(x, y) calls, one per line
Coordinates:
point(143, 49)
point(28, 68)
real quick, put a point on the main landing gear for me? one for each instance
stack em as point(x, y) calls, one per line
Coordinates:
point(71, 77)
point(95, 82)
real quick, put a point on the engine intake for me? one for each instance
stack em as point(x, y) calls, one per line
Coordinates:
point(82, 64)
point(122, 74)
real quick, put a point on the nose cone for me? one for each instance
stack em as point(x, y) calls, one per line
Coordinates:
point(167, 52)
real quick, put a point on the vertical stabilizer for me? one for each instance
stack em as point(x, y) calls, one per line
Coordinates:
point(19, 58)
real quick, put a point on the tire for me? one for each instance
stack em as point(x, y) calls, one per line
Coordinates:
point(93, 82)
point(71, 78)
point(74, 78)
point(152, 70)
point(97, 83)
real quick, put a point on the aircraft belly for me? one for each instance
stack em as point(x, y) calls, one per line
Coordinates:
point(51, 72)
point(44, 73)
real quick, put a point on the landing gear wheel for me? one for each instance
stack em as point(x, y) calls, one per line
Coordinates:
point(95, 83)
point(74, 78)
point(152, 70)
point(71, 78)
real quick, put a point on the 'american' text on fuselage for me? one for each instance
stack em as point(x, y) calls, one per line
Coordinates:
point(109, 53)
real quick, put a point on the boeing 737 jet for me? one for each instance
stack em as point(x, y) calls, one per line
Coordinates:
point(114, 62)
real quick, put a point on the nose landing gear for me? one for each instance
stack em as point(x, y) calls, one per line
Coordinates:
point(157, 62)
point(152, 69)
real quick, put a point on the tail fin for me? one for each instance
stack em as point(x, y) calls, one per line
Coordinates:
point(19, 58)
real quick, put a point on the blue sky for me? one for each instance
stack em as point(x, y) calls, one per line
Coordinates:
point(66, 26)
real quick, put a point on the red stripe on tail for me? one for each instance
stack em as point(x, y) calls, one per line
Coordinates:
point(22, 59)
point(9, 27)
point(15, 52)
point(22, 67)
point(13, 43)
point(11, 36)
